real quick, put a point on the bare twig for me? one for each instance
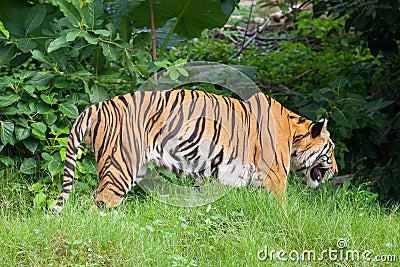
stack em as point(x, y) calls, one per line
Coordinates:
point(302, 74)
point(261, 39)
point(234, 27)
point(222, 33)
point(153, 32)
point(259, 30)
point(248, 23)
point(153, 36)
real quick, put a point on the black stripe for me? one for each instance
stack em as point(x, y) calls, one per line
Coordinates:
point(283, 164)
point(123, 99)
point(217, 160)
point(299, 137)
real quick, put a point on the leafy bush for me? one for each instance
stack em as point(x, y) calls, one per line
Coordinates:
point(377, 22)
point(56, 59)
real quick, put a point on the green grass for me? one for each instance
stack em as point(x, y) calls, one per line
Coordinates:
point(234, 231)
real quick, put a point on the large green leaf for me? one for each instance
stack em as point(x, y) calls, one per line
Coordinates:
point(30, 89)
point(39, 130)
point(57, 43)
point(7, 160)
point(38, 55)
point(43, 108)
point(56, 164)
point(26, 74)
point(71, 35)
point(26, 45)
point(5, 101)
point(93, 14)
point(119, 9)
point(340, 117)
point(19, 59)
point(49, 99)
point(7, 53)
point(13, 14)
point(70, 12)
point(90, 38)
point(97, 93)
point(39, 199)
point(125, 29)
point(228, 6)
point(192, 16)
point(23, 109)
point(47, 113)
point(49, 118)
point(4, 31)
point(12, 110)
point(22, 133)
point(42, 78)
point(69, 109)
point(29, 166)
point(35, 17)
point(6, 132)
point(162, 34)
point(31, 144)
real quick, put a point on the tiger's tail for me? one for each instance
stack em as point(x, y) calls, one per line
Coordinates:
point(78, 131)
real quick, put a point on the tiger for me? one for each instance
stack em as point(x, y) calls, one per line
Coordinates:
point(255, 141)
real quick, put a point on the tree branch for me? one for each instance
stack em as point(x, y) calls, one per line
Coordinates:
point(153, 32)
point(259, 30)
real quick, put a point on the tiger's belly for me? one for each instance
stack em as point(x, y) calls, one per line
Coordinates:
point(232, 174)
point(203, 159)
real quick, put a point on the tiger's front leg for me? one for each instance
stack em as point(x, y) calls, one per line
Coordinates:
point(113, 186)
point(114, 183)
point(118, 168)
point(274, 176)
point(276, 184)
point(106, 197)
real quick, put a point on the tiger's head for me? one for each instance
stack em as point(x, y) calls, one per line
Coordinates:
point(313, 151)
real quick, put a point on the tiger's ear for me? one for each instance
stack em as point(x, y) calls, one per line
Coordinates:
point(319, 128)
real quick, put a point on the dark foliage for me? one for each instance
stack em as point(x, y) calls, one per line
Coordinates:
point(378, 23)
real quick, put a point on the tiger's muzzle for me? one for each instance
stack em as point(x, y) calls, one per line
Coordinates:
point(319, 173)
